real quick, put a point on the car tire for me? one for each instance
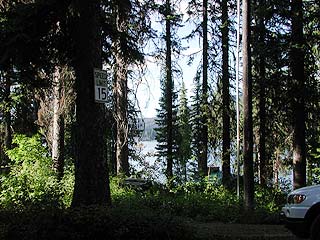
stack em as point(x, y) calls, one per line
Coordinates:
point(315, 229)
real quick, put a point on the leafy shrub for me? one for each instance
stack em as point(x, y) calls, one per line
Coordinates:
point(66, 186)
point(31, 180)
point(269, 199)
point(193, 200)
point(121, 193)
point(202, 201)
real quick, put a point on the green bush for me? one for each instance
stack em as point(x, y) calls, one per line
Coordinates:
point(201, 201)
point(269, 199)
point(31, 180)
point(193, 200)
point(66, 186)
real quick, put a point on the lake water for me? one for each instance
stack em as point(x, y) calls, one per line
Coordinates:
point(147, 165)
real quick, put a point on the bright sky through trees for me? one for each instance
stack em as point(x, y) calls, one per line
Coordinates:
point(148, 93)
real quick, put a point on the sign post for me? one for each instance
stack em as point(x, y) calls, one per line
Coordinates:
point(100, 86)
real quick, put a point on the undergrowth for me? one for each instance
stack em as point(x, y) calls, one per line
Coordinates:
point(35, 205)
point(94, 222)
point(201, 201)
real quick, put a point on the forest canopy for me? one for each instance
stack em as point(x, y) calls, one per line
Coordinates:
point(59, 147)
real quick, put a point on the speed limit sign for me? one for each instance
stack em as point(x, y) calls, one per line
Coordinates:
point(100, 85)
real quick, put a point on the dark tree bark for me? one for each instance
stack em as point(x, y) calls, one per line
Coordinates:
point(203, 160)
point(225, 95)
point(169, 89)
point(121, 91)
point(91, 172)
point(298, 92)
point(247, 111)
point(262, 96)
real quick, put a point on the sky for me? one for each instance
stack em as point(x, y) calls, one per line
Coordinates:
point(148, 91)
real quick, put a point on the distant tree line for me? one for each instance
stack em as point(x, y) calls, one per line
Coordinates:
point(148, 126)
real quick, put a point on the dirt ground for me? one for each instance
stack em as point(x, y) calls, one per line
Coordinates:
point(219, 231)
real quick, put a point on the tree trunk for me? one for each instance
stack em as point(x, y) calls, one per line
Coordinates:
point(225, 95)
point(57, 125)
point(262, 98)
point(169, 89)
point(185, 170)
point(7, 118)
point(247, 112)
point(298, 91)
point(203, 161)
point(276, 165)
point(121, 93)
point(91, 172)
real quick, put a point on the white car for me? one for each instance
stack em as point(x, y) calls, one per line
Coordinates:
point(302, 212)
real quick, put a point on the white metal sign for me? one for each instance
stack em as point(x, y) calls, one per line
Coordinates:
point(100, 85)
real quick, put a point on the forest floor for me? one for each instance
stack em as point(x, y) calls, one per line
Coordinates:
point(221, 231)
point(197, 230)
point(90, 223)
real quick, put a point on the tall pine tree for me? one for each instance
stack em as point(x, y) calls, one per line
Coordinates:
point(195, 118)
point(247, 111)
point(121, 12)
point(184, 137)
point(298, 91)
point(226, 172)
point(203, 158)
point(166, 116)
point(91, 171)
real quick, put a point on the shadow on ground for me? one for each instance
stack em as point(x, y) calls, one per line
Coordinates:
point(219, 231)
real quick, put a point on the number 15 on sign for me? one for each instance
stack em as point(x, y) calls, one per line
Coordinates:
point(100, 85)
point(101, 94)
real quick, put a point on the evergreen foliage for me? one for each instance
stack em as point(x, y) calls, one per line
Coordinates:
point(195, 117)
point(162, 127)
point(167, 114)
point(37, 36)
point(184, 136)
